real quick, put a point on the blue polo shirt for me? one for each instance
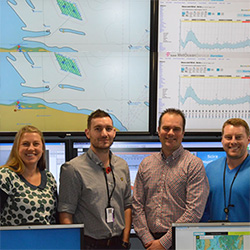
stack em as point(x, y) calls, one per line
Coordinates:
point(240, 194)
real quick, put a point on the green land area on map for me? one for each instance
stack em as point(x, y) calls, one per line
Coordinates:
point(227, 242)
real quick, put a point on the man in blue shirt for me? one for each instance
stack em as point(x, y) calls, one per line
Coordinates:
point(229, 177)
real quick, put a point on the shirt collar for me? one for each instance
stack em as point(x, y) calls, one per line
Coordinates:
point(96, 159)
point(174, 155)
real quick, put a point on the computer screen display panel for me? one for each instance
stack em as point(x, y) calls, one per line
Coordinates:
point(203, 67)
point(196, 236)
point(55, 156)
point(44, 237)
point(97, 55)
point(133, 152)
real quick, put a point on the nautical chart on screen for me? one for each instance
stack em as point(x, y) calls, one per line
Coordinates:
point(60, 60)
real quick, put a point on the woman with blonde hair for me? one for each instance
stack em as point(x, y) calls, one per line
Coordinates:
point(28, 192)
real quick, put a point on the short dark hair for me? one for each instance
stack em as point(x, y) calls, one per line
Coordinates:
point(97, 114)
point(236, 122)
point(173, 111)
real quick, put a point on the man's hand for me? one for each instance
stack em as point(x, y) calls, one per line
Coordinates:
point(153, 245)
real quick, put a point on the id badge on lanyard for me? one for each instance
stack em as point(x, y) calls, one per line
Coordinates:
point(109, 210)
point(110, 214)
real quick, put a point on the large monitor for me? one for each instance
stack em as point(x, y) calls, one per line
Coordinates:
point(197, 236)
point(55, 156)
point(42, 237)
point(64, 59)
point(203, 61)
point(134, 152)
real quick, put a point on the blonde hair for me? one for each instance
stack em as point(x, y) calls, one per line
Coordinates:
point(236, 122)
point(14, 161)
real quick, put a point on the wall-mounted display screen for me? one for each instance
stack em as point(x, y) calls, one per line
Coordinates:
point(61, 60)
point(203, 61)
point(55, 156)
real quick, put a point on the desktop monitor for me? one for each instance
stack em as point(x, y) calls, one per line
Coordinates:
point(220, 235)
point(133, 152)
point(55, 156)
point(206, 151)
point(42, 237)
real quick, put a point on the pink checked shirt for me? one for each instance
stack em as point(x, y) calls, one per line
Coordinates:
point(168, 190)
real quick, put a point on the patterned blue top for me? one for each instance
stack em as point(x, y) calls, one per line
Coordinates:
point(26, 203)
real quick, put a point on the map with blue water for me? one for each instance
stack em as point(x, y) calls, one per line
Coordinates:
point(227, 242)
point(60, 60)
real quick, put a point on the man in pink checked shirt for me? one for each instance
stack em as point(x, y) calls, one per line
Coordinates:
point(170, 187)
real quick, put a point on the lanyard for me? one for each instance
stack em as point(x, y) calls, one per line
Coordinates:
point(226, 209)
point(106, 179)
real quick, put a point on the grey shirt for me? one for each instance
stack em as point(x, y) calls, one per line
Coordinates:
point(83, 193)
